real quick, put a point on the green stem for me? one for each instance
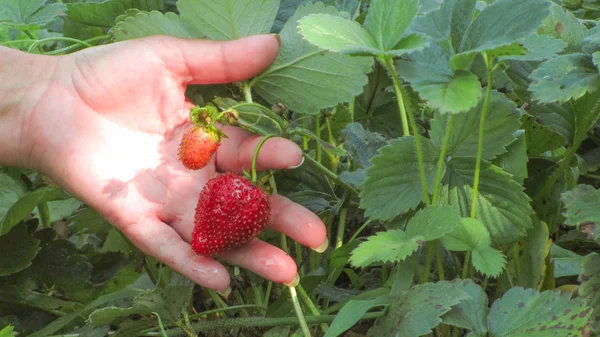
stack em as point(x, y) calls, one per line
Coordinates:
point(413, 124)
point(311, 306)
point(465, 271)
point(517, 262)
point(298, 251)
point(248, 92)
point(216, 311)
point(339, 238)
point(45, 214)
point(334, 177)
point(351, 106)
point(318, 154)
point(75, 46)
point(255, 157)
point(387, 63)
point(355, 235)
point(428, 258)
point(299, 313)
point(438, 260)
point(270, 113)
point(484, 110)
point(58, 38)
point(160, 324)
point(442, 159)
point(268, 293)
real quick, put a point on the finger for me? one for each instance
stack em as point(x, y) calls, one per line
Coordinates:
point(212, 62)
point(156, 238)
point(298, 223)
point(263, 259)
point(236, 152)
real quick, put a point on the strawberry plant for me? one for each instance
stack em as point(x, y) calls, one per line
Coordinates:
point(451, 147)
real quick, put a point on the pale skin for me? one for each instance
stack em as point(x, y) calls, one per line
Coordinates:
point(105, 124)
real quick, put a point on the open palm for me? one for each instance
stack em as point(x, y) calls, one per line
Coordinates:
point(107, 128)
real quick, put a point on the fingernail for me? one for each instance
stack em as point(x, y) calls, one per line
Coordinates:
point(296, 166)
point(322, 247)
point(294, 282)
point(225, 294)
point(278, 37)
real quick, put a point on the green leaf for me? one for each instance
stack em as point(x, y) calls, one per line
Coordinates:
point(154, 23)
point(362, 144)
point(389, 246)
point(469, 235)
point(449, 21)
point(58, 263)
point(430, 74)
point(167, 302)
point(418, 311)
point(502, 206)
point(556, 117)
point(586, 111)
point(470, 313)
point(502, 23)
point(17, 250)
point(302, 70)
point(488, 261)
point(433, 222)
point(526, 312)
point(590, 283)
point(28, 14)
point(582, 205)
point(537, 48)
point(392, 185)
point(408, 44)
point(89, 221)
point(352, 312)
point(501, 123)
point(564, 25)
point(533, 251)
point(8, 332)
point(539, 137)
point(230, 19)
point(104, 13)
point(21, 209)
point(337, 34)
point(514, 161)
point(388, 20)
point(11, 190)
point(564, 77)
point(566, 263)
point(61, 209)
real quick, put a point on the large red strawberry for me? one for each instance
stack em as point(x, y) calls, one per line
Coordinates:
point(230, 212)
point(198, 145)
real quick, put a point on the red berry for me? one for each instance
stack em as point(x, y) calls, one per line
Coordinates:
point(198, 145)
point(230, 212)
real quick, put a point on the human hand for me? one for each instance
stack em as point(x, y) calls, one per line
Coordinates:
point(107, 128)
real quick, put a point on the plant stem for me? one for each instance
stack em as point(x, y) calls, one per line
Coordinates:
point(543, 191)
point(406, 111)
point(58, 38)
point(351, 106)
point(45, 214)
point(160, 324)
point(484, 110)
point(465, 271)
point(355, 235)
point(311, 306)
point(268, 293)
point(248, 92)
point(255, 157)
point(270, 113)
point(299, 313)
point(442, 159)
point(339, 238)
point(387, 63)
point(216, 311)
point(316, 165)
point(438, 260)
point(318, 154)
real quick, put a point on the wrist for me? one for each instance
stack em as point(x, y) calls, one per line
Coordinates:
point(23, 80)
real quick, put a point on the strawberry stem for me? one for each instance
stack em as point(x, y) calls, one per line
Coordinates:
point(255, 157)
point(299, 312)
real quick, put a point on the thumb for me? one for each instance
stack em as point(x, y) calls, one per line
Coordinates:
point(215, 62)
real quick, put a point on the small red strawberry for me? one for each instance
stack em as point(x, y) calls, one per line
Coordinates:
point(230, 212)
point(198, 145)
